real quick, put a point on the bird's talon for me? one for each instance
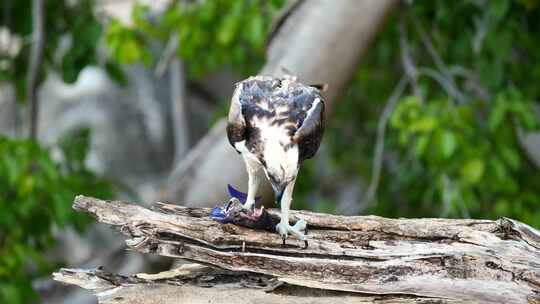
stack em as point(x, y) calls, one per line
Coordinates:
point(299, 230)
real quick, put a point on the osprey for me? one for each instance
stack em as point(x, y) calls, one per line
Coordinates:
point(276, 124)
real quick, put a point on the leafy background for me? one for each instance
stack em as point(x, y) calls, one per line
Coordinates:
point(463, 76)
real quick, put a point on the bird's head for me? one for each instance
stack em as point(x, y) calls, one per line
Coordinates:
point(278, 185)
point(280, 164)
point(279, 179)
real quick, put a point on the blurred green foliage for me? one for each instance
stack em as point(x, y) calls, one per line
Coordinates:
point(36, 192)
point(35, 198)
point(449, 151)
point(72, 33)
point(209, 34)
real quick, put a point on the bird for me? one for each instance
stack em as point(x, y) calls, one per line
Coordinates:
point(275, 124)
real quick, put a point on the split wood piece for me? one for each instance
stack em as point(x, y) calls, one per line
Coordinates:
point(195, 284)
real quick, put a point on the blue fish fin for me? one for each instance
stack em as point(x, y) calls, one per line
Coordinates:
point(241, 196)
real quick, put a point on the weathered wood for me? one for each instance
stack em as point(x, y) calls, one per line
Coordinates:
point(201, 284)
point(467, 260)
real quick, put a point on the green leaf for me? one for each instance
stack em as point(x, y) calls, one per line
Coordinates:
point(130, 51)
point(424, 124)
point(12, 167)
point(472, 171)
point(256, 31)
point(26, 185)
point(502, 207)
point(498, 168)
point(498, 8)
point(228, 30)
point(511, 157)
point(115, 72)
point(146, 57)
point(448, 143)
point(496, 116)
point(421, 144)
point(528, 117)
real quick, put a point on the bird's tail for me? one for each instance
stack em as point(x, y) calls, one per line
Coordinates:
point(319, 86)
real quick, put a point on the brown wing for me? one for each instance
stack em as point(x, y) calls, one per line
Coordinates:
point(309, 134)
point(236, 124)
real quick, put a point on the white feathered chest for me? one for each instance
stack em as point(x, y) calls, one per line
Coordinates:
point(278, 120)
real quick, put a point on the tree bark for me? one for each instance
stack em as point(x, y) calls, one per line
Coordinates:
point(179, 113)
point(480, 261)
point(320, 42)
point(35, 61)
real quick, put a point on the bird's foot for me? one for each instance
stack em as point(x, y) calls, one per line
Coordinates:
point(299, 230)
point(247, 206)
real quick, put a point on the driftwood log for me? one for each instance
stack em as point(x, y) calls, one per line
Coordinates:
point(351, 259)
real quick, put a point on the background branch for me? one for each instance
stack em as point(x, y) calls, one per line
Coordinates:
point(407, 61)
point(379, 144)
point(35, 60)
point(445, 78)
point(179, 105)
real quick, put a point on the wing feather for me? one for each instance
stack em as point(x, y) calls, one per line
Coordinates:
point(313, 122)
point(236, 124)
point(309, 134)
